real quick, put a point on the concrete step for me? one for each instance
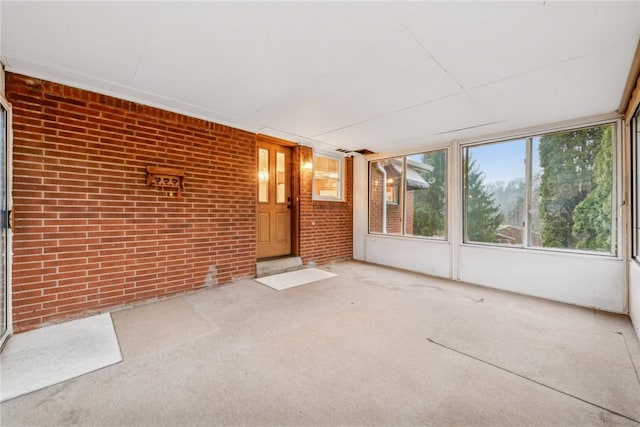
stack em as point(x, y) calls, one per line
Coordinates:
point(279, 265)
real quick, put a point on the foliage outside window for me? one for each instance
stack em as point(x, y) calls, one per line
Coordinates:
point(426, 184)
point(547, 191)
point(494, 192)
point(407, 195)
point(327, 177)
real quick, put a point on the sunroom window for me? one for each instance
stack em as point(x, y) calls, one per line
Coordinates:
point(407, 195)
point(545, 191)
point(385, 201)
point(494, 192)
point(426, 195)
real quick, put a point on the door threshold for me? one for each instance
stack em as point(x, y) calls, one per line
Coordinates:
point(268, 267)
point(272, 258)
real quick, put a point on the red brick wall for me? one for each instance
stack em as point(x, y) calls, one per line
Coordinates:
point(408, 201)
point(377, 192)
point(326, 228)
point(394, 219)
point(91, 235)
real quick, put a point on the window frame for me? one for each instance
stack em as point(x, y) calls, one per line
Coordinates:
point(634, 183)
point(527, 180)
point(401, 195)
point(340, 179)
point(614, 250)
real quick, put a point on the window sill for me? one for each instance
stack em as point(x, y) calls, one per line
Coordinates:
point(544, 251)
point(328, 199)
point(405, 237)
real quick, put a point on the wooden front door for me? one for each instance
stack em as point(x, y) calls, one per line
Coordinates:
point(274, 200)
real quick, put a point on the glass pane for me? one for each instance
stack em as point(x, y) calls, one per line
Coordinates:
point(425, 195)
point(326, 177)
point(385, 200)
point(263, 175)
point(280, 177)
point(376, 196)
point(494, 192)
point(572, 179)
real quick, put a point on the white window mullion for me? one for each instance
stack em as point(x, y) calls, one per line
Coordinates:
point(528, 182)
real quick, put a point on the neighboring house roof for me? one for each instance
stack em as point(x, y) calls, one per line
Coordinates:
point(414, 180)
point(512, 234)
point(413, 177)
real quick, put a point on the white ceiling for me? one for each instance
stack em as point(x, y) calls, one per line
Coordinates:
point(384, 76)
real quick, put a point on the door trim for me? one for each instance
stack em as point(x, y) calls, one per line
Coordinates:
point(294, 162)
point(295, 198)
point(9, 261)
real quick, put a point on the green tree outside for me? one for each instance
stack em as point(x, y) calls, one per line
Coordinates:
point(570, 203)
point(429, 215)
point(592, 216)
point(573, 168)
point(483, 216)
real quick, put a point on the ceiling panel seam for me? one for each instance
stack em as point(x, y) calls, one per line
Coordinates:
point(442, 67)
point(146, 44)
point(390, 113)
point(542, 67)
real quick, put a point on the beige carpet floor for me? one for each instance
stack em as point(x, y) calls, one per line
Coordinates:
point(370, 346)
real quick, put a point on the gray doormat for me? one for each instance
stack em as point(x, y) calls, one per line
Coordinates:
point(43, 357)
point(294, 278)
